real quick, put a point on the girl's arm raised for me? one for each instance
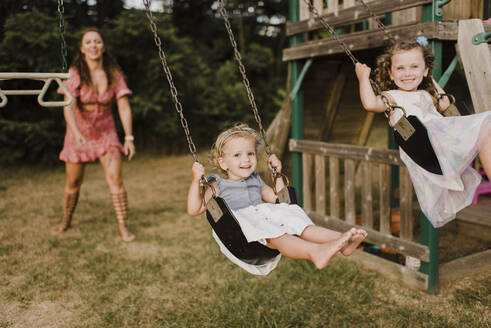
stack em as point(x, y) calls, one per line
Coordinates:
point(195, 204)
point(369, 100)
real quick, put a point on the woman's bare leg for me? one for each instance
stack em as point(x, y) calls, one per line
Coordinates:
point(320, 254)
point(111, 161)
point(74, 179)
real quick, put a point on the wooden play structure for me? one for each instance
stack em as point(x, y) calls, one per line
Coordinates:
point(342, 179)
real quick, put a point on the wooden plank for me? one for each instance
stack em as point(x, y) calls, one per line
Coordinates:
point(406, 203)
point(394, 271)
point(320, 184)
point(334, 193)
point(333, 103)
point(396, 244)
point(365, 129)
point(350, 14)
point(385, 189)
point(465, 266)
point(406, 16)
point(307, 183)
point(349, 191)
point(366, 195)
point(476, 60)
point(377, 155)
point(371, 39)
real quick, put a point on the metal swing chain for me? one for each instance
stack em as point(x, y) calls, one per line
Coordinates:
point(348, 52)
point(242, 70)
point(379, 23)
point(61, 26)
point(168, 74)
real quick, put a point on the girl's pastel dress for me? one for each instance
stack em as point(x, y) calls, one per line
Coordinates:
point(259, 221)
point(97, 126)
point(456, 141)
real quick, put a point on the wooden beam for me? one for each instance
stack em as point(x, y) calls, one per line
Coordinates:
point(351, 15)
point(465, 266)
point(371, 39)
point(399, 245)
point(476, 60)
point(333, 103)
point(378, 155)
point(395, 272)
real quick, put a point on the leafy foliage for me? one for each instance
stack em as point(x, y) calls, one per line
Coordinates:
point(197, 50)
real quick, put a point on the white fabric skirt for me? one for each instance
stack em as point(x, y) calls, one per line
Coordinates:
point(267, 220)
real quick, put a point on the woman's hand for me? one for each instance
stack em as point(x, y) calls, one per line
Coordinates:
point(129, 149)
point(79, 142)
point(274, 162)
point(362, 71)
point(198, 170)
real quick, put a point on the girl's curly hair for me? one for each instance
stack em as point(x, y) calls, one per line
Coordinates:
point(239, 130)
point(384, 63)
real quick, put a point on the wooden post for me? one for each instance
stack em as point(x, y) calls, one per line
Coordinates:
point(430, 236)
point(366, 195)
point(307, 181)
point(334, 205)
point(297, 106)
point(349, 190)
point(385, 208)
point(320, 184)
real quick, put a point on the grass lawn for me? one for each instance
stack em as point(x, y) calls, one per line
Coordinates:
point(173, 274)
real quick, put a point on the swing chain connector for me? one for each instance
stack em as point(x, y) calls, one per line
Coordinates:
point(275, 175)
point(452, 109)
point(397, 119)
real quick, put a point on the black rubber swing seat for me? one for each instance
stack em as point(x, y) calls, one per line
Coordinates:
point(230, 234)
point(228, 230)
point(419, 147)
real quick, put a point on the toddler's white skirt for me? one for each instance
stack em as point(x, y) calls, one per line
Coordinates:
point(265, 221)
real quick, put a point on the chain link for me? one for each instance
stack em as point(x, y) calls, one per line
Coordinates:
point(168, 74)
point(61, 26)
point(348, 52)
point(242, 70)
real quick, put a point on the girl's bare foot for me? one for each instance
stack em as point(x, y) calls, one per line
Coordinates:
point(357, 236)
point(324, 252)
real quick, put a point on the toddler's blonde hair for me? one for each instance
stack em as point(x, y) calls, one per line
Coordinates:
point(238, 130)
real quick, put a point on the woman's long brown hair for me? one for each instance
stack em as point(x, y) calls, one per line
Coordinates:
point(109, 64)
point(384, 63)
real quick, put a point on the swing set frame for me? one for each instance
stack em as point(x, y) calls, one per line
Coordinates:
point(299, 57)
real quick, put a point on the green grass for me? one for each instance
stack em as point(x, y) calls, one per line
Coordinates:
point(173, 274)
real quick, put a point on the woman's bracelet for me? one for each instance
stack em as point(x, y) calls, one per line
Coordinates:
point(129, 138)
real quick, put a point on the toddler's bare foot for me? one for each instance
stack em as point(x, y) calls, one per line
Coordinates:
point(357, 236)
point(324, 252)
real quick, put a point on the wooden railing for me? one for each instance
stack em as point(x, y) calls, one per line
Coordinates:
point(322, 175)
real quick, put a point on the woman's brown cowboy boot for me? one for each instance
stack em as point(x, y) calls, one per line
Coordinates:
point(69, 203)
point(120, 204)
